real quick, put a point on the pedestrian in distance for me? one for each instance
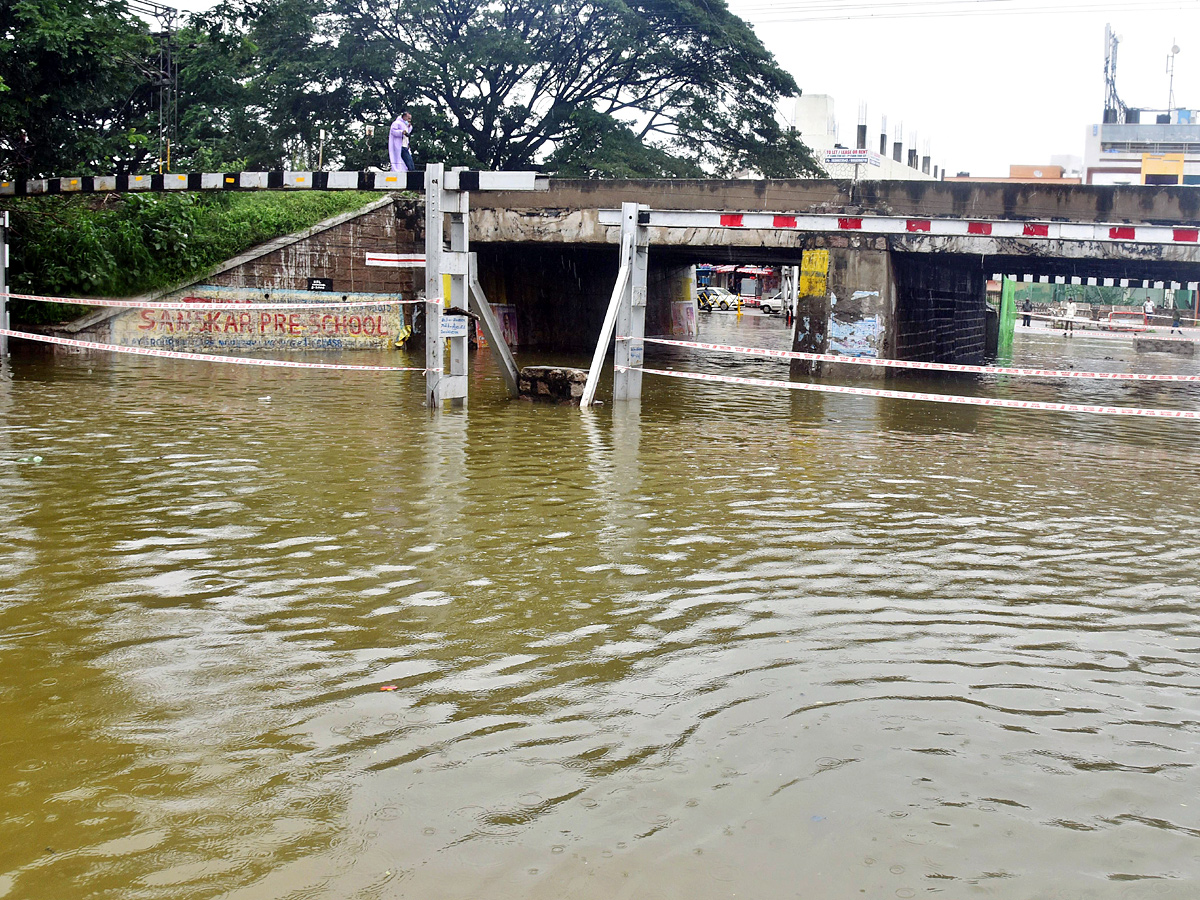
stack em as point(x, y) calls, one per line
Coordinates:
point(1176, 322)
point(398, 144)
point(1026, 312)
point(1148, 309)
point(1069, 324)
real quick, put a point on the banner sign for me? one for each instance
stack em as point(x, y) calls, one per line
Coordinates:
point(855, 157)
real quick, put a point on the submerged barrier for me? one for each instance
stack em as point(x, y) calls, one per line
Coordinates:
point(928, 398)
point(201, 357)
point(922, 366)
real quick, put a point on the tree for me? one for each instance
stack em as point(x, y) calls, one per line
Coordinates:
point(510, 83)
point(78, 96)
point(258, 83)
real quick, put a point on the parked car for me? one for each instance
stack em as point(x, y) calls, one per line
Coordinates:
point(712, 297)
point(773, 304)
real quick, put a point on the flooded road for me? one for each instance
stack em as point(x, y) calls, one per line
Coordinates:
point(275, 634)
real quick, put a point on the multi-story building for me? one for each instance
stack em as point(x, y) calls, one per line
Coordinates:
point(1149, 147)
point(817, 124)
point(1051, 174)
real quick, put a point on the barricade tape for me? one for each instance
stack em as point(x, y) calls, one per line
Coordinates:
point(924, 366)
point(240, 305)
point(202, 357)
point(931, 398)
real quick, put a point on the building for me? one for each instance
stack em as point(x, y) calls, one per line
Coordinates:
point(1163, 151)
point(1052, 174)
point(816, 121)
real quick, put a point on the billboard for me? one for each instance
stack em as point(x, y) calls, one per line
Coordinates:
point(854, 157)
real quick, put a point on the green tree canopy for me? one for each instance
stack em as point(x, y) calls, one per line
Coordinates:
point(78, 97)
point(584, 87)
point(510, 83)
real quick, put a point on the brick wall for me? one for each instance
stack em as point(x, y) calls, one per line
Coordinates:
point(338, 253)
point(334, 250)
point(941, 311)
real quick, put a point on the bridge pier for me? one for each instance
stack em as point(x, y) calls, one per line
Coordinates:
point(864, 299)
point(942, 310)
point(847, 304)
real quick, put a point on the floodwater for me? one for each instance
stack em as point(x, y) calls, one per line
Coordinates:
point(276, 634)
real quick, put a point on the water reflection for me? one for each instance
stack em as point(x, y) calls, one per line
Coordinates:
point(273, 635)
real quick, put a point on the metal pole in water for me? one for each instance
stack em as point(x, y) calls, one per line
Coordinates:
point(610, 320)
point(455, 389)
point(434, 173)
point(3, 281)
point(631, 313)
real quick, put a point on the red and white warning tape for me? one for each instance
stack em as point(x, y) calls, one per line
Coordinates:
point(931, 398)
point(925, 366)
point(202, 357)
point(207, 306)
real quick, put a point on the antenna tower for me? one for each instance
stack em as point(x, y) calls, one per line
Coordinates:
point(1114, 106)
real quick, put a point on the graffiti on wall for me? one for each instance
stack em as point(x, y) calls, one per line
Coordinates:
point(857, 336)
point(248, 326)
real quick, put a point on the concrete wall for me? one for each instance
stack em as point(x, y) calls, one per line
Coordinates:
point(852, 311)
point(338, 253)
point(941, 315)
point(1077, 203)
point(334, 250)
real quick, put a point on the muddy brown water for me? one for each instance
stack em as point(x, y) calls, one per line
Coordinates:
point(276, 634)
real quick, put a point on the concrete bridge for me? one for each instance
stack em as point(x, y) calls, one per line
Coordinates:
point(908, 259)
point(906, 263)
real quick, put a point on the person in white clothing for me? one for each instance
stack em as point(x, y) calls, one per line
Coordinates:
point(1148, 309)
point(1069, 324)
point(398, 150)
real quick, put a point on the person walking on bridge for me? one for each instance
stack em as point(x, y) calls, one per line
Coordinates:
point(398, 146)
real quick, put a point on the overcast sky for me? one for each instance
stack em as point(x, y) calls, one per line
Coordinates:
point(986, 90)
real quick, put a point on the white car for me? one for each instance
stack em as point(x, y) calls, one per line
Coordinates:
point(773, 304)
point(711, 297)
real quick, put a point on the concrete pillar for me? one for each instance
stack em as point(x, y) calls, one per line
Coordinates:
point(912, 157)
point(631, 314)
point(849, 309)
point(898, 151)
point(925, 165)
point(883, 144)
point(862, 137)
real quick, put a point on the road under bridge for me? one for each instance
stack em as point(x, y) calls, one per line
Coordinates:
point(910, 259)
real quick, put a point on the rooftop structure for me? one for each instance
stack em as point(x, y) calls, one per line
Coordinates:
point(816, 121)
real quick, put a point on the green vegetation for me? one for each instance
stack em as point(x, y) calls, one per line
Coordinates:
point(117, 246)
point(648, 87)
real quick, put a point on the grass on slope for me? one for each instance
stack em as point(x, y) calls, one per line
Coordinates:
point(120, 245)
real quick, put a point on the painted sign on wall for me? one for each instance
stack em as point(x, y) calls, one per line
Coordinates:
point(254, 325)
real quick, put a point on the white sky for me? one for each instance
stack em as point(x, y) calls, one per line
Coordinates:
point(986, 90)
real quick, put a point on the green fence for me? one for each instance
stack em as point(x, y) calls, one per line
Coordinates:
point(1096, 295)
